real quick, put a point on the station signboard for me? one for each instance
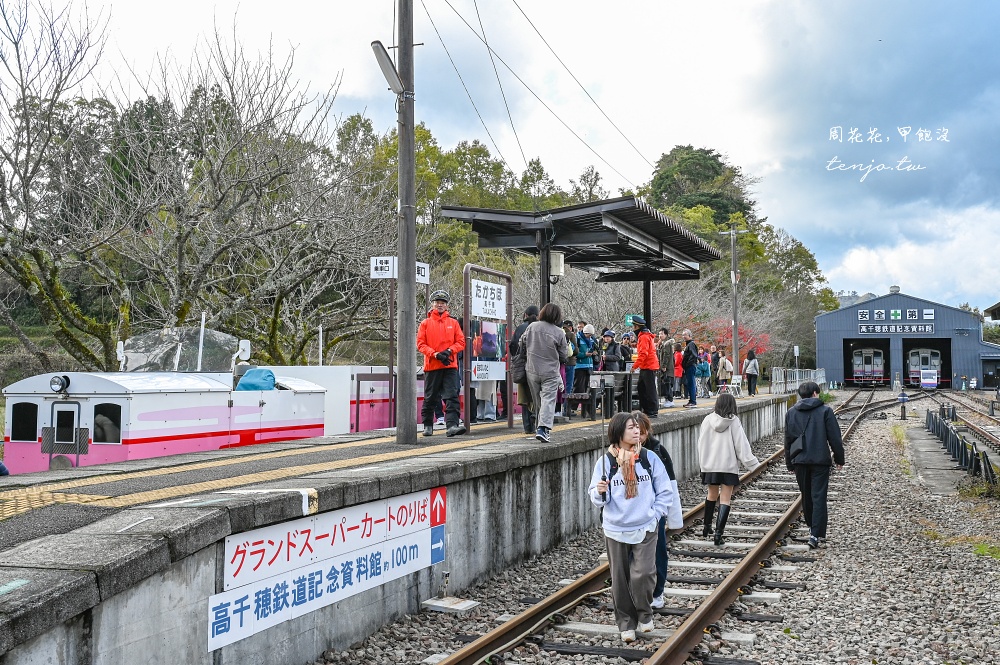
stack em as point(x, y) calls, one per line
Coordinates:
point(489, 300)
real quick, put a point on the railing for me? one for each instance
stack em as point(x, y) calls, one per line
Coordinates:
point(963, 451)
point(785, 380)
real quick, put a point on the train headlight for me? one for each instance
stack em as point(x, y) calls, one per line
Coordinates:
point(59, 384)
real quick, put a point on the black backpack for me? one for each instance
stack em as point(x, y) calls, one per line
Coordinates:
point(643, 460)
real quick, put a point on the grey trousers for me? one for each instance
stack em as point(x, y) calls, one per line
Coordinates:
point(543, 394)
point(633, 576)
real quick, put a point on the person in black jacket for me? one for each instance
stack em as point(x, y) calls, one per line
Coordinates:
point(523, 391)
point(611, 354)
point(811, 417)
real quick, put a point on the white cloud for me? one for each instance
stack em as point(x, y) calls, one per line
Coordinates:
point(958, 264)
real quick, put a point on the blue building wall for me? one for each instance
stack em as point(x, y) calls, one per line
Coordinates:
point(899, 321)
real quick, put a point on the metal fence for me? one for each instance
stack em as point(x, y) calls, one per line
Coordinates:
point(964, 452)
point(784, 380)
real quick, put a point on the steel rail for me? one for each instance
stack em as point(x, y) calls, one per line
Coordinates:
point(516, 630)
point(678, 646)
point(847, 403)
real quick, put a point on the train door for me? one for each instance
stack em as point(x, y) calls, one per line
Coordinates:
point(65, 435)
point(877, 372)
point(245, 416)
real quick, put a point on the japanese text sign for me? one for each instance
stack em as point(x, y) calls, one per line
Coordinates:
point(286, 570)
point(386, 267)
point(489, 301)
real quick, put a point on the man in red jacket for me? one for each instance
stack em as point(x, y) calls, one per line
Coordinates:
point(440, 339)
point(647, 364)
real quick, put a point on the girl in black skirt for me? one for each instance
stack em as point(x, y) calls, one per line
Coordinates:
point(722, 447)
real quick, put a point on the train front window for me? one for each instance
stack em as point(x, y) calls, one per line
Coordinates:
point(24, 422)
point(65, 427)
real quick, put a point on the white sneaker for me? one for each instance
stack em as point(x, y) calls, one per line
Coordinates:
point(628, 636)
point(439, 421)
point(657, 602)
point(646, 627)
point(668, 405)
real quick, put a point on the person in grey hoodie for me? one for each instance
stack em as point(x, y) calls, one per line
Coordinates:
point(633, 489)
point(546, 350)
point(722, 447)
point(815, 421)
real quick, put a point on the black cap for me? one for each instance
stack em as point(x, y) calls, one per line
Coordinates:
point(531, 310)
point(638, 320)
point(567, 322)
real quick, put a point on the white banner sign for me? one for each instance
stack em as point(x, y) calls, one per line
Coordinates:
point(286, 570)
point(387, 267)
point(488, 371)
point(489, 300)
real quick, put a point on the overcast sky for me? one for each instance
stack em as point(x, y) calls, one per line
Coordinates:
point(762, 82)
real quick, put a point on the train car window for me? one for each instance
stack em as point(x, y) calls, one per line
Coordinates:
point(24, 422)
point(65, 427)
point(108, 423)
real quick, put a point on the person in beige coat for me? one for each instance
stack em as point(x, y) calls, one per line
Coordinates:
point(722, 447)
point(725, 371)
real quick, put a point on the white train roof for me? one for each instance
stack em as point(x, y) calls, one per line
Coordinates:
point(123, 383)
point(130, 383)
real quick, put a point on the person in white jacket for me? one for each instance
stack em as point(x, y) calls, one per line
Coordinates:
point(674, 519)
point(634, 491)
point(722, 447)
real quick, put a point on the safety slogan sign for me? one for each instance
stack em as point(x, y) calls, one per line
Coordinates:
point(287, 570)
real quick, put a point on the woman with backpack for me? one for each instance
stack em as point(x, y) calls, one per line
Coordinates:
point(722, 447)
point(634, 492)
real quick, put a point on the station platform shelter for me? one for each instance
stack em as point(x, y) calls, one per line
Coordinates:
point(893, 337)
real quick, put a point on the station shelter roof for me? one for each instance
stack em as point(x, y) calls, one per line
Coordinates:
point(623, 239)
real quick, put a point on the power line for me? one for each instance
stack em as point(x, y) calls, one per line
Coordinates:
point(581, 85)
point(468, 94)
point(535, 95)
point(497, 74)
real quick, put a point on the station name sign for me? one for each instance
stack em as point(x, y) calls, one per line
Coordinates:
point(890, 328)
point(286, 570)
point(488, 301)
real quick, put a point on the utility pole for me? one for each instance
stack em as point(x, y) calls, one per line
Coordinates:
point(734, 277)
point(406, 350)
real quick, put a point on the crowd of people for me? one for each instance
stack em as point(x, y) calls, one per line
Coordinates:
point(551, 357)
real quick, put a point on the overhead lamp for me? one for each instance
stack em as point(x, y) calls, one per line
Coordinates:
point(388, 69)
point(59, 384)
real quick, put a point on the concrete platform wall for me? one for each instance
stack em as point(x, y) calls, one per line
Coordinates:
point(507, 502)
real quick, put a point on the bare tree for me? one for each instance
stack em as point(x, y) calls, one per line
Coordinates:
point(44, 56)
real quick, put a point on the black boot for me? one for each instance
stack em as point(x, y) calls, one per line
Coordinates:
point(709, 515)
point(720, 526)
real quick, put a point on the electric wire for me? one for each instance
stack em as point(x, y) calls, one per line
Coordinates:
point(500, 84)
point(540, 100)
point(544, 41)
point(465, 87)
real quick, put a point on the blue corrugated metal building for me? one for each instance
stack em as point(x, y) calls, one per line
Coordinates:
point(891, 337)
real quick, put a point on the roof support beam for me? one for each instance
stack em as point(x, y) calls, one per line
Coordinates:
point(645, 240)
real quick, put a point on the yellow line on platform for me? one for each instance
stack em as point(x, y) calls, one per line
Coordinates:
point(196, 466)
point(16, 502)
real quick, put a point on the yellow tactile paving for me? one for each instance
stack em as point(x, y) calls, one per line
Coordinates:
point(17, 502)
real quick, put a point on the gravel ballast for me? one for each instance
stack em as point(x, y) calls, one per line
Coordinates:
point(905, 578)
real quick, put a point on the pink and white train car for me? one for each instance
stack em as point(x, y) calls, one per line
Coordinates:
point(85, 418)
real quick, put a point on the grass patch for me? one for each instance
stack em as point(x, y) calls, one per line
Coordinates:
point(985, 549)
point(978, 490)
point(827, 397)
point(904, 466)
point(899, 436)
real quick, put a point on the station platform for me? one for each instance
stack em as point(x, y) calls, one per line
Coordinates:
point(114, 561)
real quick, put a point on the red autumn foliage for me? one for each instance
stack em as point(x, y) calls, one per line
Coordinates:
point(720, 333)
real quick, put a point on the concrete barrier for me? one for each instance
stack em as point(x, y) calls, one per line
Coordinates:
point(135, 587)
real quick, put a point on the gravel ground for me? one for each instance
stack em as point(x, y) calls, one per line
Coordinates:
point(899, 582)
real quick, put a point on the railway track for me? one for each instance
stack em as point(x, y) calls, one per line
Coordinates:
point(765, 509)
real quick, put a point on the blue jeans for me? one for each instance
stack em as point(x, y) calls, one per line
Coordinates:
point(689, 380)
point(570, 372)
point(661, 557)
